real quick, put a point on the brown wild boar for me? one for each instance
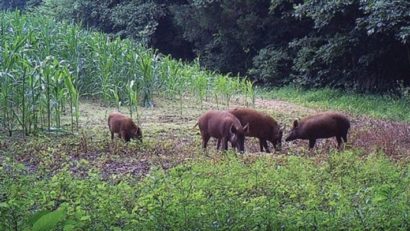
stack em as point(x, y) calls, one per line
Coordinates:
point(321, 125)
point(224, 126)
point(261, 126)
point(124, 126)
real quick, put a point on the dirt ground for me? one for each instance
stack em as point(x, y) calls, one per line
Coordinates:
point(169, 139)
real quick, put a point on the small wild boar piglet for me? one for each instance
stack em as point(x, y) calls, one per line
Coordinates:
point(321, 125)
point(261, 126)
point(124, 126)
point(224, 126)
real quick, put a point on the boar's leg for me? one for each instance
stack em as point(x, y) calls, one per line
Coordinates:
point(312, 143)
point(339, 141)
point(205, 139)
point(344, 136)
point(218, 144)
point(124, 135)
point(227, 145)
point(265, 144)
point(224, 143)
point(261, 144)
point(112, 135)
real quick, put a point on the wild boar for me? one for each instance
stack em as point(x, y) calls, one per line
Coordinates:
point(224, 126)
point(124, 126)
point(261, 126)
point(321, 125)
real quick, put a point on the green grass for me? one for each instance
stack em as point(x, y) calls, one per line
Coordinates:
point(225, 193)
point(376, 106)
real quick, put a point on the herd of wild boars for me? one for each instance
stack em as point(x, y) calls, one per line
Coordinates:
point(234, 125)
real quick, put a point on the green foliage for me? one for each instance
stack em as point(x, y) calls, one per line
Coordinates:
point(134, 19)
point(12, 4)
point(48, 66)
point(354, 44)
point(387, 17)
point(385, 107)
point(359, 45)
point(35, 87)
point(45, 221)
point(137, 19)
point(271, 67)
point(344, 192)
point(224, 33)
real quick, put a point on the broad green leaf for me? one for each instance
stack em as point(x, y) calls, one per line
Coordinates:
point(49, 220)
point(33, 219)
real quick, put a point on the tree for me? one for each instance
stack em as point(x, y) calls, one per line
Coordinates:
point(344, 49)
point(225, 34)
point(12, 4)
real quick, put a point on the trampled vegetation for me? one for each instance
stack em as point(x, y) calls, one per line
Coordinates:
point(56, 76)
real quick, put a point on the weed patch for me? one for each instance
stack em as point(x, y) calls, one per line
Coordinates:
point(345, 192)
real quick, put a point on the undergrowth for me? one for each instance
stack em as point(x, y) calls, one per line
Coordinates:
point(347, 191)
point(376, 106)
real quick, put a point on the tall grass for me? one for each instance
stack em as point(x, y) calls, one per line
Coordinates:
point(35, 86)
point(384, 107)
point(47, 66)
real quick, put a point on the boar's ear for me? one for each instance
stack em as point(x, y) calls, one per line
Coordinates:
point(232, 129)
point(295, 123)
point(246, 127)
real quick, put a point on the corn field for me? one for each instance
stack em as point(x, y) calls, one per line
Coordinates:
point(46, 66)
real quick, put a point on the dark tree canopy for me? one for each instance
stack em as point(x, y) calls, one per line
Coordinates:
point(353, 44)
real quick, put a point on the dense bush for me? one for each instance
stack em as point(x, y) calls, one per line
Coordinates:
point(345, 192)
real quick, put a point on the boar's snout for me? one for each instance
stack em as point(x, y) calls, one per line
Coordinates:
point(277, 144)
point(237, 138)
point(241, 145)
point(293, 133)
point(139, 134)
point(290, 137)
point(238, 141)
